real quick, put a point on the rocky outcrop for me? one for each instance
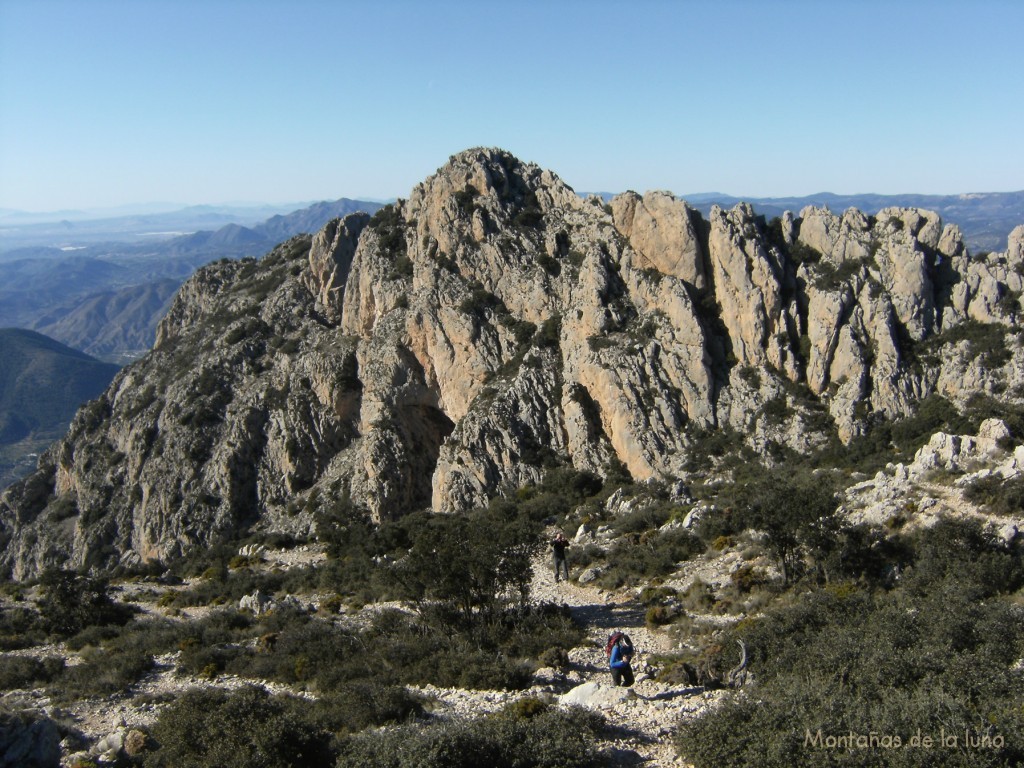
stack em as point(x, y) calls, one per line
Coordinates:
point(28, 741)
point(495, 324)
point(664, 233)
point(749, 282)
point(330, 259)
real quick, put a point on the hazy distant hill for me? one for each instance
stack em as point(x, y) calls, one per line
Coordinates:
point(42, 384)
point(311, 219)
point(25, 235)
point(118, 325)
point(77, 228)
point(107, 298)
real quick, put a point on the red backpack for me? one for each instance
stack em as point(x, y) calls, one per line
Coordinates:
point(622, 640)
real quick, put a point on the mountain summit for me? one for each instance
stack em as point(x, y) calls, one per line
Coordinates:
point(493, 324)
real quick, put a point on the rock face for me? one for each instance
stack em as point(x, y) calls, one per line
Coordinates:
point(492, 325)
point(28, 742)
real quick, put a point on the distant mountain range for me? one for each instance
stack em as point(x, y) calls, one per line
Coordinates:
point(42, 384)
point(105, 299)
point(137, 224)
point(115, 325)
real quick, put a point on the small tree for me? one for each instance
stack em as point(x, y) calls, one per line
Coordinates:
point(796, 514)
point(477, 564)
point(71, 602)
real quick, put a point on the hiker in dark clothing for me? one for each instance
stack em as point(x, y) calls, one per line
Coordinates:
point(619, 662)
point(558, 545)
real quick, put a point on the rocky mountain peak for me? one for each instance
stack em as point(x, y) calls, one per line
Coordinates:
point(459, 343)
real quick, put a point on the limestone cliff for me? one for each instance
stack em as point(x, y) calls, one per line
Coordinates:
point(494, 324)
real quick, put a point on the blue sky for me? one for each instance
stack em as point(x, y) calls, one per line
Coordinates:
point(207, 101)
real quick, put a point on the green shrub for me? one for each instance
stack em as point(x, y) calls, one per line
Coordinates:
point(646, 518)
point(642, 558)
point(71, 602)
point(244, 728)
point(999, 496)
point(526, 707)
point(721, 542)
point(93, 635)
point(777, 410)
point(658, 615)
point(698, 597)
point(986, 343)
point(828, 277)
point(545, 739)
point(941, 653)
point(556, 657)
point(801, 253)
point(797, 514)
point(465, 199)
point(20, 627)
point(28, 672)
point(402, 268)
point(549, 265)
point(358, 705)
point(244, 561)
point(529, 215)
point(439, 649)
point(102, 672)
point(390, 229)
point(480, 300)
point(549, 335)
point(751, 376)
point(651, 595)
point(746, 577)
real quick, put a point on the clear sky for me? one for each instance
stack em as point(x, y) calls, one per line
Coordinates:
point(105, 103)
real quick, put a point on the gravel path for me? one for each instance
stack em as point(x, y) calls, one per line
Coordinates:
point(642, 723)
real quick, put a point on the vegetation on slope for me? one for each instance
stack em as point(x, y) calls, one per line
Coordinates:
point(932, 653)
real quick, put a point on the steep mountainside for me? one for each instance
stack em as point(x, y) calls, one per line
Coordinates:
point(42, 384)
point(494, 324)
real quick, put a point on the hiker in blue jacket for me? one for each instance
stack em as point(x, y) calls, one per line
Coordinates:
point(622, 672)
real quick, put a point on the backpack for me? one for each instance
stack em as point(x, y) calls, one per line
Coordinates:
point(622, 640)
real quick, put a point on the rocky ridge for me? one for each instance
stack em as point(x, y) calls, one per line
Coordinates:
point(494, 324)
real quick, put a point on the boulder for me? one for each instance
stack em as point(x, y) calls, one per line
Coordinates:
point(28, 741)
point(594, 695)
point(257, 602)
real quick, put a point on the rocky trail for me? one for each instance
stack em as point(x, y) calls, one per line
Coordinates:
point(642, 718)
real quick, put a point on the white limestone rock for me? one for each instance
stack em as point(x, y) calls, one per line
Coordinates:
point(595, 695)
